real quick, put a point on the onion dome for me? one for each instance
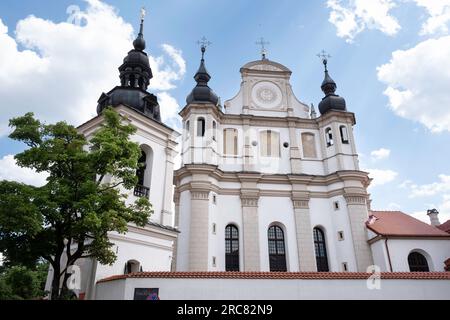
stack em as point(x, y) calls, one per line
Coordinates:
point(135, 76)
point(202, 93)
point(331, 101)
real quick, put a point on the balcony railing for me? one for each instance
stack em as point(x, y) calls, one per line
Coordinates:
point(141, 191)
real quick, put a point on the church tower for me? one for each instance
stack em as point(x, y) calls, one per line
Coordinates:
point(265, 183)
point(148, 248)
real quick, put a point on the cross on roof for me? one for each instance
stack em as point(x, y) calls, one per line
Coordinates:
point(143, 13)
point(261, 42)
point(204, 43)
point(324, 56)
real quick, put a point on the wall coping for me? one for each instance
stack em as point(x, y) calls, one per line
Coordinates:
point(282, 275)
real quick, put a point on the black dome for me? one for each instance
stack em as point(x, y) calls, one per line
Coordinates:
point(135, 98)
point(331, 101)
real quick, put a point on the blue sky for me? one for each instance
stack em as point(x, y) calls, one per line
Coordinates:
point(410, 123)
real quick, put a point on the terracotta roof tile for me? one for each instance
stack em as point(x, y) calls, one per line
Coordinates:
point(283, 275)
point(397, 223)
point(445, 226)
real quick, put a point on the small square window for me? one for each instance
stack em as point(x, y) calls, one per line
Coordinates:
point(341, 235)
point(344, 266)
point(214, 261)
point(336, 205)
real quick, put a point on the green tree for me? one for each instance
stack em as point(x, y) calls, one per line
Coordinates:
point(69, 218)
point(20, 282)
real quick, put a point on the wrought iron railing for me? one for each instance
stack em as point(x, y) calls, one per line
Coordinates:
point(141, 191)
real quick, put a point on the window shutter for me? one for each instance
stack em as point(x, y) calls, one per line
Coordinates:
point(274, 144)
point(263, 143)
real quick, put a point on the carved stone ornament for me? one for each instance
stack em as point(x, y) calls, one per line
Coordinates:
point(199, 195)
point(355, 199)
point(267, 95)
point(249, 202)
point(301, 204)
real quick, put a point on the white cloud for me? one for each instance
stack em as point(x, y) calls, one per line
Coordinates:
point(165, 74)
point(394, 206)
point(10, 171)
point(380, 154)
point(355, 16)
point(62, 68)
point(169, 110)
point(417, 83)
point(439, 16)
point(405, 184)
point(443, 207)
point(432, 189)
point(381, 177)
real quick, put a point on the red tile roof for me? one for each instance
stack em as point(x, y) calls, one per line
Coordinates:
point(397, 223)
point(282, 275)
point(445, 226)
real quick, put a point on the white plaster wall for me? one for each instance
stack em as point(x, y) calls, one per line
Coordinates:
point(380, 258)
point(228, 211)
point(344, 248)
point(324, 216)
point(153, 254)
point(157, 182)
point(279, 211)
point(259, 289)
point(114, 290)
point(436, 252)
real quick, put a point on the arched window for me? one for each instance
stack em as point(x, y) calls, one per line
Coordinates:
point(144, 172)
point(329, 137)
point(132, 82)
point(277, 250)
point(309, 145)
point(132, 266)
point(188, 129)
point(230, 141)
point(140, 173)
point(201, 128)
point(270, 143)
point(321, 250)
point(417, 262)
point(344, 134)
point(231, 248)
point(214, 130)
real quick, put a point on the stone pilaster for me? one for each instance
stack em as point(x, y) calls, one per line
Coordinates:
point(198, 231)
point(166, 214)
point(251, 232)
point(176, 200)
point(358, 215)
point(304, 235)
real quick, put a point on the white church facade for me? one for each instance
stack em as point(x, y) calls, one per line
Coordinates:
point(268, 190)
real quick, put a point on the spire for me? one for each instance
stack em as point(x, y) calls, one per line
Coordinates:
point(313, 113)
point(328, 84)
point(139, 43)
point(202, 93)
point(202, 76)
point(135, 76)
point(331, 101)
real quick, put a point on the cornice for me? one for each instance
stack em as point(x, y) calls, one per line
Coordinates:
point(257, 177)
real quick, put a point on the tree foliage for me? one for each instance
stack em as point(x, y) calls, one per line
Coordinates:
point(20, 282)
point(69, 218)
